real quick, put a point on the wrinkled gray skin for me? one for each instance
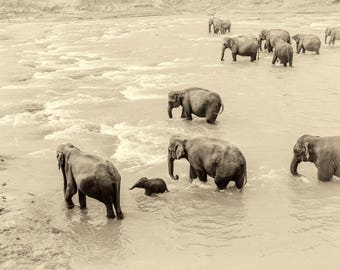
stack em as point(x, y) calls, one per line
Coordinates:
point(198, 101)
point(270, 36)
point(333, 33)
point(284, 52)
point(216, 23)
point(244, 45)
point(324, 152)
point(307, 42)
point(151, 186)
point(91, 176)
point(219, 159)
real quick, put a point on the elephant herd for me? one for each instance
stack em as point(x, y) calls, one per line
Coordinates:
point(95, 177)
point(277, 41)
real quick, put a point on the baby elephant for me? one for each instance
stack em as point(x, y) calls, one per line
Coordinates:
point(153, 185)
point(91, 176)
point(198, 101)
point(284, 52)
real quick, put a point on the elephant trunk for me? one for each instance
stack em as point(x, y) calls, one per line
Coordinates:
point(223, 50)
point(170, 110)
point(132, 187)
point(171, 167)
point(209, 27)
point(326, 38)
point(294, 165)
point(260, 44)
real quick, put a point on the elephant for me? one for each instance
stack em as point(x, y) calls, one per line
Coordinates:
point(307, 42)
point(225, 25)
point(334, 33)
point(216, 23)
point(271, 35)
point(198, 101)
point(209, 156)
point(153, 185)
point(92, 176)
point(284, 52)
point(244, 45)
point(324, 152)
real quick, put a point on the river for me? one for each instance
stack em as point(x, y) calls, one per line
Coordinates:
point(103, 84)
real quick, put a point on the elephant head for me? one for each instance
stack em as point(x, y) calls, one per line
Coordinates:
point(262, 36)
point(176, 150)
point(228, 42)
point(327, 33)
point(303, 151)
point(297, 39)
point(63, 151)
point(141, 183)
point(175, 99)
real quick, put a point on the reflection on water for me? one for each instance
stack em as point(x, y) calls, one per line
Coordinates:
point(104, 88)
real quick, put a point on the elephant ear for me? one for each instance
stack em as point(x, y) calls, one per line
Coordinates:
point(61, 160)
point(179, 151)
point(232, 43)
point(305, 146)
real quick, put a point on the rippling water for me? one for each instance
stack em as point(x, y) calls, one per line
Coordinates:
point(103, 84)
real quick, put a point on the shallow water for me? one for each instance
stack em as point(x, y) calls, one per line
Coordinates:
point(103, 84)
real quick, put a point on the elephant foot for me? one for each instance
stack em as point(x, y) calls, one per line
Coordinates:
point(70, 205)
point(110, 216)
point(83, 207)
point(120, 215)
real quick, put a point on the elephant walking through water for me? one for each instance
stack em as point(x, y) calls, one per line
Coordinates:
point(333, 33)
point(307, 42)
point(284, 52)
point(243, 45)
point(207, 156)
point(91, 176)
point(270, 36)
point(198, 101)
point(324, 152)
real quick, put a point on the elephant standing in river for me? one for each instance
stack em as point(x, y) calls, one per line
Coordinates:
point(307, 42)
point(271, 36)
point(284, 52)
point(324, 152)
point(216, 23)
point(334, 33)
point(198, 101)
point(225, 26)
point(244, 45)
point(91, 176)
point(207, 156)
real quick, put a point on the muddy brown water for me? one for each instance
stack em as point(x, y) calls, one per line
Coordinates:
point(103, 84)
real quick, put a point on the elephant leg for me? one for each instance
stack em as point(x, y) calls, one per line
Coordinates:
point(109, 209)
point(274, 59)
point(221, 182)
point(202, 176)
point(234, 56)
point(183, 113)
point(193, 174)
point(211, 115)
point(253, 58)
point(303, 50)
point(82, 199)
point(116, 201)
point(71, 189)
point(325, 170)
point(317, 51)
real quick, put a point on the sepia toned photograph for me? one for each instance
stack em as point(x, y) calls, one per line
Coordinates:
point(169, 134)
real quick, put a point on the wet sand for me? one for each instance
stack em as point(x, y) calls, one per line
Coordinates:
point(103, 84)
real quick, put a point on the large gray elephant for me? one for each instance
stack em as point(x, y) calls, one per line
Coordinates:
point(307, 42)
point(324, 152)
point(244, 45)
point(284, 52)
point(91, 176)
point(198, 101)
point(270, 36)
point(333, 33)
point(207, 156)
point(216, 23)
